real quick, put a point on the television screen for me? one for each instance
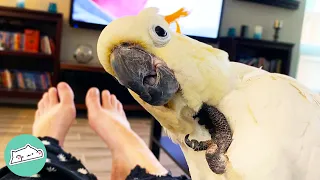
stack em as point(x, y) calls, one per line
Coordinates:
point(203, 21)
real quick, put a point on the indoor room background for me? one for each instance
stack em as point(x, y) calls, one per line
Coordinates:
point(309, 61)
point(236, 13)
point(300, 28)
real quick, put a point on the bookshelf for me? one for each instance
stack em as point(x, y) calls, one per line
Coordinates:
point(29, 52)
point(26, 54)
point(271, 55)
point(16, 93)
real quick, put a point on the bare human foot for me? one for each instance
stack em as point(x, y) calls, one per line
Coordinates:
point(110, 123)
point(55, 114)
point(111, 110)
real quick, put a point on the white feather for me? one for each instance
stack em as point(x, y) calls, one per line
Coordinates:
point(276, 124)
point(276, 130)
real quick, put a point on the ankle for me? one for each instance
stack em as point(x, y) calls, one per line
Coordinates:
point(126, 140)
point(130, 157)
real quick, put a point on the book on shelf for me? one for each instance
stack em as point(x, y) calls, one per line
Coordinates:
point(47, 45)
point(24, 80)
point(31, 40)
point(271, 65)
point(28, 41)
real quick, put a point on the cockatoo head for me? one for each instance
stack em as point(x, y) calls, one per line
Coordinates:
point(156, 63)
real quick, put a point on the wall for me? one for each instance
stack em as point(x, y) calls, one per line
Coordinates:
point(309, 62)
point(236, 13)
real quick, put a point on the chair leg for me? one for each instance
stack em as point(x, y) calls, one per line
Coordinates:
point(155, 137)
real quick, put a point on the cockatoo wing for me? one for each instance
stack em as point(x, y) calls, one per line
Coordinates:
point(276, 124)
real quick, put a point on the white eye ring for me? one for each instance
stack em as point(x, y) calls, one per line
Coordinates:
point(159, 36)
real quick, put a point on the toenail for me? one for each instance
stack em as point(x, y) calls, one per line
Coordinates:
point(95, 92)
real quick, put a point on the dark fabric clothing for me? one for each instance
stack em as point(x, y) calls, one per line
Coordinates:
point(139, 173)
point(61, 165)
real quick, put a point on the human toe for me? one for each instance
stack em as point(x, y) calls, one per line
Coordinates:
point(106, 99)
point(41, 106)
point(93, 100)
point(65, 93)
point(53, 96)
point(45, 101)
point(119, 106)
point(114, 101)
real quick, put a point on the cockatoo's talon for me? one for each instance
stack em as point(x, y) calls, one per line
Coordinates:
point(217, 162)
point(217, 125)
point(198, 145)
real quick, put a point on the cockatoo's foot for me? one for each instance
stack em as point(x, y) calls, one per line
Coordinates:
point(216, 160)
point(197, 145)
point(221, 137)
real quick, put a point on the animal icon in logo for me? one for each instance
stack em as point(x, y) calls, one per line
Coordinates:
point(24, 154)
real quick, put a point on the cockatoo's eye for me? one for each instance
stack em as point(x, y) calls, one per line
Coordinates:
point(160, 31)
point(159, 36)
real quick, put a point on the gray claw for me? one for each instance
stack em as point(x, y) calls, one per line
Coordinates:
point(217, 161)
point(196, 145)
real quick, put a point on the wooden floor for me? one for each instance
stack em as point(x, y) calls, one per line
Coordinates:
point(81, 140)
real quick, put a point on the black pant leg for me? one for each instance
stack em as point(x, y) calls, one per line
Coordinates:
point(59, 165)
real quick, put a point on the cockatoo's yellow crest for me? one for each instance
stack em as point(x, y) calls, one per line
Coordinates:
point(176, 15)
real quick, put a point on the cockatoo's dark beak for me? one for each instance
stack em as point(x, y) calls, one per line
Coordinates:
point(144, 73)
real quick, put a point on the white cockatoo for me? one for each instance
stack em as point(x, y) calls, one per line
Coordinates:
point(253, 125)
